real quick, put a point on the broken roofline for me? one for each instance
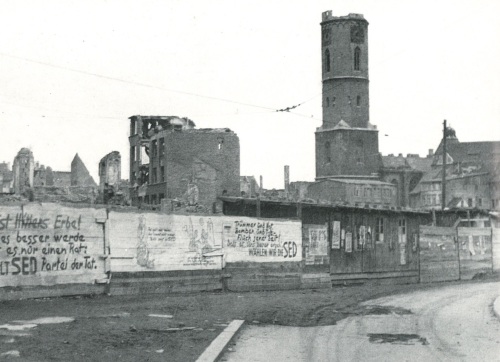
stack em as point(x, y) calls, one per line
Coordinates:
point(337, 206)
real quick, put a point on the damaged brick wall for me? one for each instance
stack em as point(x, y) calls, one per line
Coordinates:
point(172, 160)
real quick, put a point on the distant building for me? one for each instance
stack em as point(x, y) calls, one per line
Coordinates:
point(249, 186)
point(404, 173)
point(110, 169)
point(80, 176)
point(353, 191)
point(23, 170)
point(112, 189)
point(472, 177)
point(6, 179)
point(40, 183)
point(170, 159)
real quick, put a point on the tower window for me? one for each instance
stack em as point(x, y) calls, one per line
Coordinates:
point(358, 101)
point(327, 101)
point(327, 152)
point(333, 101)
point(220, 143)
point(327, 60)
point(357, 57)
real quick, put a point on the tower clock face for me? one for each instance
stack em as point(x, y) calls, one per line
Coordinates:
point(357, 34)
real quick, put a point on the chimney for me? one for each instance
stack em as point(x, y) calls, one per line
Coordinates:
point(261, 184)
point(287, 179)
point(431, 152)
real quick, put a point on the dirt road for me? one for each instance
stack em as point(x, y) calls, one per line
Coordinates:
point(452, 323)
point(165, 327)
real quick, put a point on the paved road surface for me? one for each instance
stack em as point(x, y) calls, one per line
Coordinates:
point(454, 323)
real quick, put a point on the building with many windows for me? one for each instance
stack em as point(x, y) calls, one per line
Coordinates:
point(171, 159)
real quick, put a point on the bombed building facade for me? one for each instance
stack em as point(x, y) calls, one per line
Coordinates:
point(172, 161)
point(23, 170)
point(35, 182)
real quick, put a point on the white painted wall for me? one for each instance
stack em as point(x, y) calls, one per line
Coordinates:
point(155, 242)
point(49, 244)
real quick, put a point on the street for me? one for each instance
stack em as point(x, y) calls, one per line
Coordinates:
point(447, 324)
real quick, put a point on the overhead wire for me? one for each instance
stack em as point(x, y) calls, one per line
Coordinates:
point(116, 79)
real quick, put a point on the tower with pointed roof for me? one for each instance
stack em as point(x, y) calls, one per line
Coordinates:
point(346, 143)
point(80, 176)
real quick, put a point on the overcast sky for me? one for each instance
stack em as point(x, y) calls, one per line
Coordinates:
point(72, 72)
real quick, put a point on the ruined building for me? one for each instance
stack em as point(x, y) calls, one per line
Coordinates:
point(110, 168)
point(40, 183)
point(23, 170)
point(6, 179)
point(171, 159)
point(112, 189)
point(80, 176)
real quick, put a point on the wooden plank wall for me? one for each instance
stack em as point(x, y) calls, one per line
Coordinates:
point(439, 260)
point(475, 251)
point(496, 248)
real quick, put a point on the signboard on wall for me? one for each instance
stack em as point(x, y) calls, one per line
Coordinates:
point(49, 244)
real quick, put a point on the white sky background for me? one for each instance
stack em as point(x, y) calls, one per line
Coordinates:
point(429, 61)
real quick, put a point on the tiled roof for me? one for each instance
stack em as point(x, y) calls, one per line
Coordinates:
point(472, 152)
point(358, 182)
point(412, 163)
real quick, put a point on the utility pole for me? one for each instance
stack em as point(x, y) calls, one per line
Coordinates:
point(443, 182)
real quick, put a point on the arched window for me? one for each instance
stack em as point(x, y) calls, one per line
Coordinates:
point(327, 152)
point(327, 60)
point(357, 57)
point(358, 101)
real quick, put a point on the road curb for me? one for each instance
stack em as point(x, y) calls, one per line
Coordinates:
point(496, 307)
point(219, 344)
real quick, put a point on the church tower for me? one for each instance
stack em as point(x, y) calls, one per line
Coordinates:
point(346, 143)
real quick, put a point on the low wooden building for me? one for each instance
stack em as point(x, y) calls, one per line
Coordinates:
point(350, 242)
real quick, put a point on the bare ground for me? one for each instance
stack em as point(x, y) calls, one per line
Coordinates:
point(120, 328)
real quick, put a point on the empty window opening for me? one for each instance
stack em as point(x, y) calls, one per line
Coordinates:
point(327, 60)
point(379, 229)
point(161, 148)
point(357, 57)
point(220, 143)
point(327, 152)
point(358, 101)
point(327, 101)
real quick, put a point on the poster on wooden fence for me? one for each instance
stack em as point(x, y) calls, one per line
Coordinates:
point(336, 235)
point(476, 251)
point(315, 238)
point(348, 242)
point(402, 250)
point(47, 244)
